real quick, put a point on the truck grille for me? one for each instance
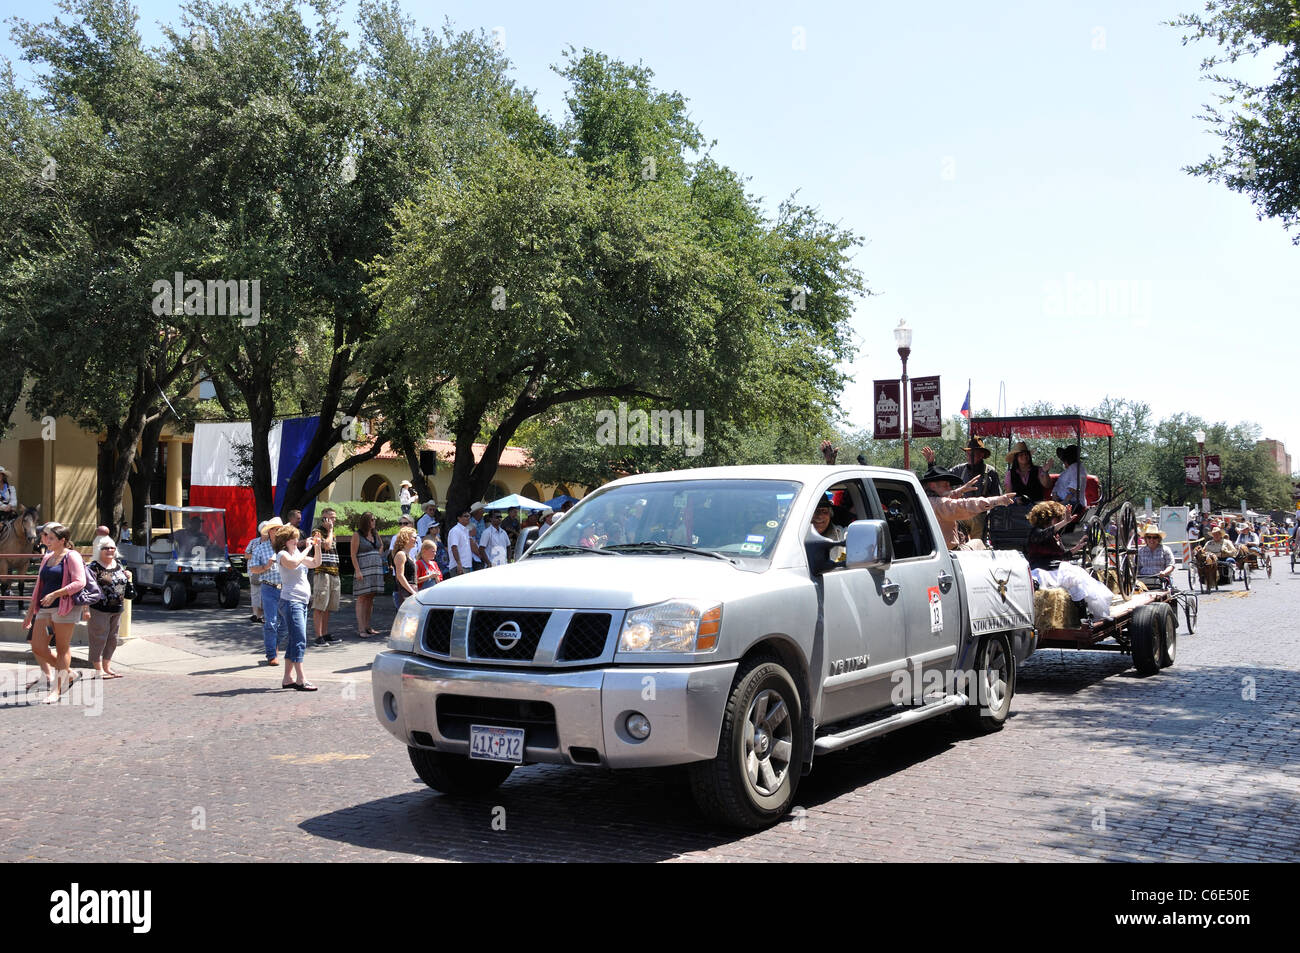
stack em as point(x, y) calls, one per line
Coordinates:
point(457, 712)
point(437, 631)
point(585, 637)
point(484, 624)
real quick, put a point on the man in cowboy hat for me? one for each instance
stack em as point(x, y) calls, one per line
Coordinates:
point(985, 479)
point(949, 507)
point(1155, 560)
point(1071, 485)
point(1220, 546)
point(262, 564)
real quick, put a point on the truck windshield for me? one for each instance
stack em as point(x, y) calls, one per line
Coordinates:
point(740, 518)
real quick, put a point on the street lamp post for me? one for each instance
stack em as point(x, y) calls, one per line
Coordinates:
point(1199, 436)
point(903, 338)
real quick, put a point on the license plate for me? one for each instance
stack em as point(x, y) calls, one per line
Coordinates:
point(496, 744)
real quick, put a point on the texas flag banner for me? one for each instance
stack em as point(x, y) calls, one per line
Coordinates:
point(213, 481)
point(965, 407)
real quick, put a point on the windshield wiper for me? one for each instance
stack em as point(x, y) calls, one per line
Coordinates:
point(570, 549)
point(650, 545)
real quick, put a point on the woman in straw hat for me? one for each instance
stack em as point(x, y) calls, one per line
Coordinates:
point(1024, 477)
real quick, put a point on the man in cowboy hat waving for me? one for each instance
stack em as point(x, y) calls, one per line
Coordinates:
point(986, 480)
point(948, 508)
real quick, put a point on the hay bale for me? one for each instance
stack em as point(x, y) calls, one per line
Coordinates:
point(1053, 609)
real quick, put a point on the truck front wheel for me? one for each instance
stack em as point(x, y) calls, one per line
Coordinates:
point(457, 774)
point(751, 783)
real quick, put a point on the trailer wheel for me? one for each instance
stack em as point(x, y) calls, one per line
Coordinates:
point(1144, 632)
point(173, 594)
point(1169, 638)
point(751, 782)
point(456, 773)
point(995, 683)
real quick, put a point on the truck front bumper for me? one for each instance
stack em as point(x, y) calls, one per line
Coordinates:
point(569, 717)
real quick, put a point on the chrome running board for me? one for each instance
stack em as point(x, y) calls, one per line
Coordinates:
point(851, 736)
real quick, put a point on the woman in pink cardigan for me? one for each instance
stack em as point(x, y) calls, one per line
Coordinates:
point(62, 576)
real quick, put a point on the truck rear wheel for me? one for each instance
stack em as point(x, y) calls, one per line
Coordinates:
point(1145, 632)
point(751, 783)
point(995, 683)
point(456, 773)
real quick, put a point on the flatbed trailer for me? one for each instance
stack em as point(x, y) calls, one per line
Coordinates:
point(1144, 626)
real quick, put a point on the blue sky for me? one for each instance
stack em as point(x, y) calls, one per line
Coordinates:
point(1015, 171)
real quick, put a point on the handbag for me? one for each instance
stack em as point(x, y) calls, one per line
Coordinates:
point(90, 592)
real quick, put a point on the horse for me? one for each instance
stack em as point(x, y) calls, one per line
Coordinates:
point(1207, 568)
point(11, 532)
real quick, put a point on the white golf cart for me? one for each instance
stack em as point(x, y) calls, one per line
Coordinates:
point(186, 557)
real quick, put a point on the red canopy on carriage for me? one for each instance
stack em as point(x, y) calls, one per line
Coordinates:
point(1052, 427)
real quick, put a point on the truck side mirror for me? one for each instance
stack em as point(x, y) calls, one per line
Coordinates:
point(868, 545)
point(818, 549)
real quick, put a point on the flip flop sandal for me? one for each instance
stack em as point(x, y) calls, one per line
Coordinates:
point(305, 686)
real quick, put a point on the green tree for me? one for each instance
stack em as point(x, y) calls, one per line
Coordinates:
point(614, 268)
point(79, 216)
point(1259, 124)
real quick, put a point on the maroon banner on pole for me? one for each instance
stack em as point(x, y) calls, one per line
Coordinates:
point(927, 420)
point(1192, 471)
point(889, 410)
point(1213, 473)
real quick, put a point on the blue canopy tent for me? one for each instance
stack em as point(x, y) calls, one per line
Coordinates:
point(559, 501)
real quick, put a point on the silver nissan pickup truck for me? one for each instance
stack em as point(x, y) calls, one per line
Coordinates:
point(700, 618)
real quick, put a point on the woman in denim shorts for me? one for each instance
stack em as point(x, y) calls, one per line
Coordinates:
point(62, 576)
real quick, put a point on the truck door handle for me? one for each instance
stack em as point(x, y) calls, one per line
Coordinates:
point(889, 590)
point(945, 581)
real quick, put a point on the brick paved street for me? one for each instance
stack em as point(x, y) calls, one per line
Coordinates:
point(198, 755)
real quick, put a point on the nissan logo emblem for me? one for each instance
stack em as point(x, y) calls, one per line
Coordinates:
point(506, 636)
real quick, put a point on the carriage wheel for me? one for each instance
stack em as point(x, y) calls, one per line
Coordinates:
point(1123, 551)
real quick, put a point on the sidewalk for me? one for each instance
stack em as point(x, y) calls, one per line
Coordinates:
point(199, 640)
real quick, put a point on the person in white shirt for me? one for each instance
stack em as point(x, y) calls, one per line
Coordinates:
point(460, 545)
point(1071, 485)
point(425, 524)
point(406, 496)
point(495, 542)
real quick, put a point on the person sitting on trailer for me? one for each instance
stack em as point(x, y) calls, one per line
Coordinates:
point(1024, 477)
point(1050, 564)
point(1072, 484)
point(1155, 560)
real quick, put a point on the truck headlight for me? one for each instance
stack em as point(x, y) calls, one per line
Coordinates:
point(673, 626)
point(406, 626)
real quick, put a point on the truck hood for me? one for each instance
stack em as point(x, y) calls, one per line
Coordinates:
point(594, 582)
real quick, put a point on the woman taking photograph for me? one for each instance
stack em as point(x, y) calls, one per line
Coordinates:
point(404, 569)
point(62, 575)
point(295, 595)
point(102, 618)
point(368, 572)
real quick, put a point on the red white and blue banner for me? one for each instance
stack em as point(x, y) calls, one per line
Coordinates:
point(213, 481)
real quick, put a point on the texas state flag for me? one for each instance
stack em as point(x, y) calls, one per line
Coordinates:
point(965, 407)
point(213, 483)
